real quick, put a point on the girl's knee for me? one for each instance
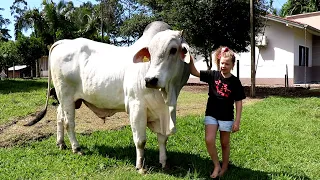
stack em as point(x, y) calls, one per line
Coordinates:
point(210, 140)
point(225, 144)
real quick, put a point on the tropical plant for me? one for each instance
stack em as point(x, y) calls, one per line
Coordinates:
point(30, 49)
point(292, 7)
point(18, 9)
point(4, 31)
point(8, 54)
point(136, 18)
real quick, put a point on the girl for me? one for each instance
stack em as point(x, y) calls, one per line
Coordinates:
point(224, 90)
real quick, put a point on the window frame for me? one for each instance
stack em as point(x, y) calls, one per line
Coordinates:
point(302, 56)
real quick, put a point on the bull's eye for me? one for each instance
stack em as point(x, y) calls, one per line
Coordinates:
point(173, 51)
point(184, 50)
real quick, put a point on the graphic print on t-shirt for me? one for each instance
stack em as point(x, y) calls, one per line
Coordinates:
point(222, 88)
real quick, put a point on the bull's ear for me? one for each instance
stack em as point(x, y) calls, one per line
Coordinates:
point(185, 54)
point(186, 57)
point(142, 56)
point(181, 33)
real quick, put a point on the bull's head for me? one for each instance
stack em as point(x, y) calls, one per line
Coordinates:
point(169, 57)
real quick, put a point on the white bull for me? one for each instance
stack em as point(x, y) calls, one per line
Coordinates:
point(110, 79)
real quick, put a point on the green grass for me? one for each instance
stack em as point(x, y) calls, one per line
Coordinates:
point(21, 97)
point(278, 140)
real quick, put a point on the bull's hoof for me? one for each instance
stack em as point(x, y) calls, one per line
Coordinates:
point(78, 151)
point(142, 171)
point(62, 146)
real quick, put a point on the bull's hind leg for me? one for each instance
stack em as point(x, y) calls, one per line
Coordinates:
point(60, 129)
point(70, 126)
point(68, 110)
point(162, 141)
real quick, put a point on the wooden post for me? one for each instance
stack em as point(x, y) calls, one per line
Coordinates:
point(14, 71)
point(238, 68)
point(287, 77)
point(253, 46)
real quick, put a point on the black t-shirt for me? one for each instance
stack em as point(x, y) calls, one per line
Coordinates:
point(223, 92)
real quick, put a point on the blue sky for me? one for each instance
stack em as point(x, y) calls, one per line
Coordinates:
point(37, 4)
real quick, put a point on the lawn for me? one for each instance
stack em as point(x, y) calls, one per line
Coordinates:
point(21, 97)
point(279, 139)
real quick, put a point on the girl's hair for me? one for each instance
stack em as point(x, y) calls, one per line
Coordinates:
point(223, 51)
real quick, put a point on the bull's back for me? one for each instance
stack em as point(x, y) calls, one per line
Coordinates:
point(93, 71)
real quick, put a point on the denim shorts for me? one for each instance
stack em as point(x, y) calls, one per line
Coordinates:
point(223, 125)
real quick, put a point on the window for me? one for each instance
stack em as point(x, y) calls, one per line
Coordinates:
point(303, 56)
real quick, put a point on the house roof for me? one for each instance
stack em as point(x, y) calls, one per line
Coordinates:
point(16, 68)
point(304, 15)
point(293, 23)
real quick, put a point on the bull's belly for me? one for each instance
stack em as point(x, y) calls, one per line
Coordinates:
point(103, 104)
point(105, 98)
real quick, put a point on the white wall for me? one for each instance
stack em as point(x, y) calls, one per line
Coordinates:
point(300, 40)
point(282, 50)
point(272, 60)
point(316, 51)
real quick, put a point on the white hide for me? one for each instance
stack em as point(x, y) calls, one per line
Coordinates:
point(105, 78)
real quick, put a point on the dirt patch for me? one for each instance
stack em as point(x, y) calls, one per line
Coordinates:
point(14, 133)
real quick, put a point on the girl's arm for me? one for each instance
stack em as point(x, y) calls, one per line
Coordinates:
point(236, 124)
point(193, 69)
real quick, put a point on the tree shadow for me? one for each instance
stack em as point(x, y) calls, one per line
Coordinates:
point(13, 86)
point(183, 165)
point(291, 92)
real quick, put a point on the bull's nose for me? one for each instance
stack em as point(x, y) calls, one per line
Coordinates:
point(151, 82)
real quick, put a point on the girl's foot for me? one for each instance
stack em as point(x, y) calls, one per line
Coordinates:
point(223, 171)
point(215, 172)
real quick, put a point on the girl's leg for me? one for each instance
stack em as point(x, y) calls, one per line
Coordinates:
point(225, 145)
point(210, 138)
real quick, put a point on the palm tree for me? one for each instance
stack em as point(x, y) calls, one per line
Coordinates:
point(4, 32)
point(87, 21)
point(293, 7)
point(58, 17)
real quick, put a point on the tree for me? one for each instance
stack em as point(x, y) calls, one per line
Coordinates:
point(292, 7)
point(18, 8)
point(30, 49)
point(4, 31)
point(8, 54)
point(136, 18)
point(58, 18)
point(110, 18)
point(209, 24)
point(87, 21)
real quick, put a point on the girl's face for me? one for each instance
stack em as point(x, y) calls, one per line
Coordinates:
point(226, 65)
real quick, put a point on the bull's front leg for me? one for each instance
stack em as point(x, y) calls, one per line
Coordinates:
point(138, 121)
point(162, 141)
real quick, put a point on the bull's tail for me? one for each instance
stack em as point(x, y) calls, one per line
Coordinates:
point(42, 113)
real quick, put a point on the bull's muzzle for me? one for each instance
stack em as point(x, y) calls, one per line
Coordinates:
point(151, 82)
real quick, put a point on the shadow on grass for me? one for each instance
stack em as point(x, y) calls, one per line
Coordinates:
point(20, 85)
point(184, 165)
point(292, 92)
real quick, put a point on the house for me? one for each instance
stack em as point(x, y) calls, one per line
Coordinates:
point(43, 66)
point(289, 45)
point(19, 71)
